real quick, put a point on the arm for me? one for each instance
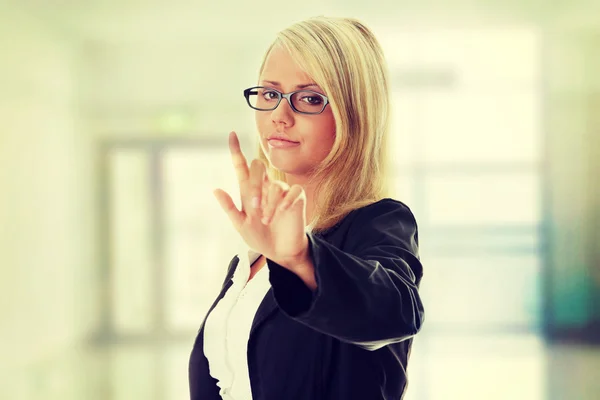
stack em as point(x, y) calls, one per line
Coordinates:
point(367, 295)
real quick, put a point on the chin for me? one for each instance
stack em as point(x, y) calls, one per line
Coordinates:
point(287, 166)
point(283, 166)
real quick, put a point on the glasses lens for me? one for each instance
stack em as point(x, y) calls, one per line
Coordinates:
point(263, 99)
point(308, 102)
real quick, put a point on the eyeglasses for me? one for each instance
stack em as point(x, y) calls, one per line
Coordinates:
point(302, 101)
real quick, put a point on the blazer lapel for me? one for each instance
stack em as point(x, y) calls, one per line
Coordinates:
point(268, 304)
point(266, 308)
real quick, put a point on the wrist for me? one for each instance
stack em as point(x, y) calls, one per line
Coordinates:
point(299, 261)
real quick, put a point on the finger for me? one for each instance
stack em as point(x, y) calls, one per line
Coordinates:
point(255, 187)
point(237, 217)
point(294, 197)
point(265, 191)
point(277, 191)
point(237, 158)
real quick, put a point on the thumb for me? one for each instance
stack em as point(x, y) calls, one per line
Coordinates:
point(226, 203)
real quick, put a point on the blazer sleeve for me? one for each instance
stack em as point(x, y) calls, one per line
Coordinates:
point(368, 294)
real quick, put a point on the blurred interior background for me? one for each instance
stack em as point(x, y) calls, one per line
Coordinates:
point(114, 118)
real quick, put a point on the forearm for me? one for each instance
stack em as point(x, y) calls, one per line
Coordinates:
point(367, 302)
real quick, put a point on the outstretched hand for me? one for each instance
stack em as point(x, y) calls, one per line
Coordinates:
point(272, 218)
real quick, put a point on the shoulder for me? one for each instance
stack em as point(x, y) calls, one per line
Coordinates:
point(387, 211)
point(390, 201)
point(388, 218)
point(385, 221)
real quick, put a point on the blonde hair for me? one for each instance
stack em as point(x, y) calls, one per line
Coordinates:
point(345, 59)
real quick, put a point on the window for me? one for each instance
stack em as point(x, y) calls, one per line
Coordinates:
point(466, 135)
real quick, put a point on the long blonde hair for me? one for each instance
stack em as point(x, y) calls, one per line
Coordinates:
point(345, 59)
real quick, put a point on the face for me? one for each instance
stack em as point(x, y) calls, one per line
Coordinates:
point(313, 134)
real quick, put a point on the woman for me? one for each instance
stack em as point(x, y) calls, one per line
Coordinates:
point(325, 303)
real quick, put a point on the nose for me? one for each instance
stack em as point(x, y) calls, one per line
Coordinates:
point(283, 113)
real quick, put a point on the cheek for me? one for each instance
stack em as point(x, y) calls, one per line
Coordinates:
point(261, 119)
point(326, 134)
point(263, 128)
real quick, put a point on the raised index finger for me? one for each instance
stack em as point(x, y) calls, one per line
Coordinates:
point(237, 157)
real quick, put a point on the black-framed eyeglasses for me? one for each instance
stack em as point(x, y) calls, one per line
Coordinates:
point(302, 101)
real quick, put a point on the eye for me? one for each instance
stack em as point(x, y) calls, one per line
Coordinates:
point(270, 95)
point(312, 100)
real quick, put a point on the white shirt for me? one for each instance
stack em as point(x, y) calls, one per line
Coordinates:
point(227, 329)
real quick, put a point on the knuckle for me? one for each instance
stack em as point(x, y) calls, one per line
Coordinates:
point(256, 163)
point(276, 190)
point(238, 159)
point(282, 185)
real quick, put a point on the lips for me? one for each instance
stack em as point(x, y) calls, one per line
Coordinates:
point(281, 138)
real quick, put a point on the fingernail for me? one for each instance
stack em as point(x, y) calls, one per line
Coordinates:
point(265, 220)
point(255, 202)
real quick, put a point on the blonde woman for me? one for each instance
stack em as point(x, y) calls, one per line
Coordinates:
point(323, 303)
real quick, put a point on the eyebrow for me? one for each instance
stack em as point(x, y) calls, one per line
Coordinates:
point(301, 86)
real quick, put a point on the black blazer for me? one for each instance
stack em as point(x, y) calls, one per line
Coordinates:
point(349, 340)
